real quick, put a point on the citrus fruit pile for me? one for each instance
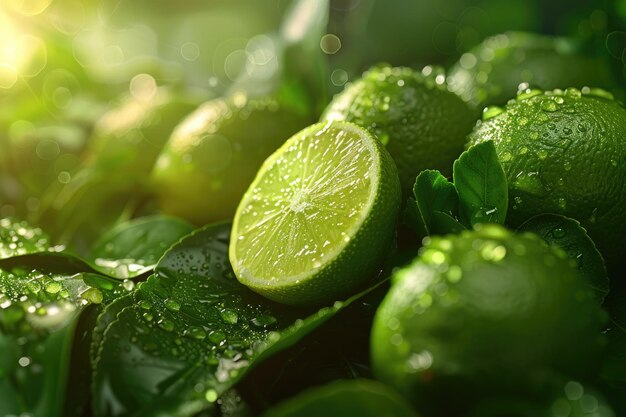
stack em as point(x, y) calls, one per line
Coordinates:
point(394, 254)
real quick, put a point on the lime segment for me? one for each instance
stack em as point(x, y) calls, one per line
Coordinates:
point(318, 215)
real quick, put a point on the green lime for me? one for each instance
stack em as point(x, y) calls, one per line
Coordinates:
point(571, 399)
point(213, 155)
point(491, 72)
point(318, 217)
point(128, 138)
point(348, 398)
point(422, 124)
point(564, 153)
point(117, 163)
point(484, 313)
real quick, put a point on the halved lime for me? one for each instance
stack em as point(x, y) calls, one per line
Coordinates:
point(318, 217)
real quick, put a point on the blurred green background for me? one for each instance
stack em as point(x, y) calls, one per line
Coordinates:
point(64, 63)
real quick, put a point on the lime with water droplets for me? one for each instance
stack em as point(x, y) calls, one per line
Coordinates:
point(564, 152)
point(213, 155)
point(482, 313)
point(422, 124)
point(491, 72)
point(318, 217)
point(560, 399)
point(348, 398)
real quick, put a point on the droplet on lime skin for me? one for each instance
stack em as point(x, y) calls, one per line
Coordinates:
point(489, 282)
point(420, 122)
point(216, 152)
point(516, 61)
point(568, 165)
point(491, 112)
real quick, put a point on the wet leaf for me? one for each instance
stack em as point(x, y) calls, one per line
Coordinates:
point(19, 238)
point(190, 333)
point(570, 236)
point(134, 247)
point(481, 184)
point(434, 193)
point(41, 298)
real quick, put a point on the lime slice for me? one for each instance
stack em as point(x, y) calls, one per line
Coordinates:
point(318, 217)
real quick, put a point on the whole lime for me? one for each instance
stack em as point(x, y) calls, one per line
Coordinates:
point(483, 313)
point(492, 71)
point(564, 153)
point(347, 398)
point(213, 155)
point(569, 398)
point(422, 124)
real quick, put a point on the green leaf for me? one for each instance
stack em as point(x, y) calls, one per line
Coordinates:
point(42, 294)
point(569, 235)
point(443, 223)
point(359, 397)
point(481, 184)
point(33, 372)
point(412, 219)
point(134, 247)
point(434, 193)
point(19, 238)
point(112, 183)
point(41, 298)
point(190, 333)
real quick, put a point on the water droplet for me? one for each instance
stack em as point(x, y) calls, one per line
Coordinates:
point(93, 295)
point(573, 93)
point(263, 321)
point(491, 112)
point(488, 214)
point(53, 287)
point(548, 105)
point(172, 305)
point(558, 233)
point(562, 203)
point(229, 316)
point(527, 93)
point(217, 337)
point(530, 183)
point(128, 285)
point(166, 325)
point(196, 332)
